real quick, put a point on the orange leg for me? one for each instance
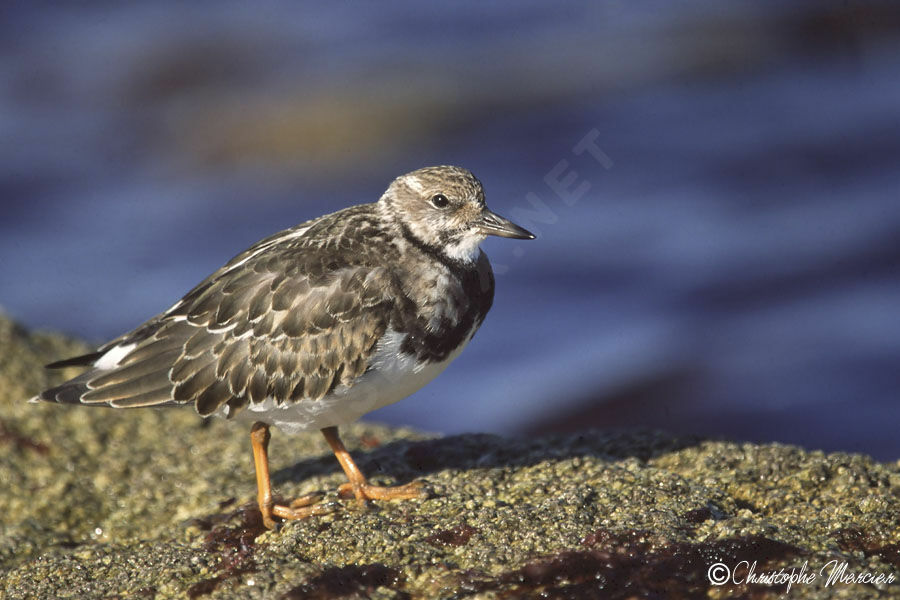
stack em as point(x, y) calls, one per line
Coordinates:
point(298, 509)
point(358, 486)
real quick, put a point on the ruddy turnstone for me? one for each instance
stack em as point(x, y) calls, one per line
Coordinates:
point(317, 325)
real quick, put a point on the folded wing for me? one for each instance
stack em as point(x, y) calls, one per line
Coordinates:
point(277, 327)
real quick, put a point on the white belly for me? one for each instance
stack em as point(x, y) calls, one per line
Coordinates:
point(393, 376)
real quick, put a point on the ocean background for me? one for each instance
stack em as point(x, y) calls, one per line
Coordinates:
point(715, 187)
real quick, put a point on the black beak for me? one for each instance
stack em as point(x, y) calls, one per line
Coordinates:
point(493, 224)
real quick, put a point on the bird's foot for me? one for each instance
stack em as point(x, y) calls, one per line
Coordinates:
point(366, 491)
point(310, 505)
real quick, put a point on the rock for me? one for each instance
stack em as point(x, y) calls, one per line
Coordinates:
point(159, 503)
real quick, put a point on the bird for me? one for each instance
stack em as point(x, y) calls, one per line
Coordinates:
point(315, 326)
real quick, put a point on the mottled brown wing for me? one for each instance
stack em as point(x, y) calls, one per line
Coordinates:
point(270, 336)
point(290, 318)
point(265, 331)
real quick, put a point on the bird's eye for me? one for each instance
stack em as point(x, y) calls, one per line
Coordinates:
point(440, 201)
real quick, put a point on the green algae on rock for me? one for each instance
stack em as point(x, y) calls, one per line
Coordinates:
point(160, 504)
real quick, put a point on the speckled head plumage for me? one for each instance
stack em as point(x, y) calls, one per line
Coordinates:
point(443, 207)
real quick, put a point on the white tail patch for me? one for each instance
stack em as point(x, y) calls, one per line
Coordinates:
point(112, 357)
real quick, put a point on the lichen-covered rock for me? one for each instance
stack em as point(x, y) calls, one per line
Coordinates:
point(150, 503)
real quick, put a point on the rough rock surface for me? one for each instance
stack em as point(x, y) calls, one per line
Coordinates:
point(98, 503)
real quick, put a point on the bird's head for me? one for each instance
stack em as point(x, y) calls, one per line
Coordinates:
point(443, 208)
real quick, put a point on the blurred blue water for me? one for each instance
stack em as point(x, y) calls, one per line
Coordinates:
point(733, 272)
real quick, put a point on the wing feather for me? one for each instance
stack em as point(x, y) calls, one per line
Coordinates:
point(156, 397)
point(192, 386)
point(289, 320)
point(152, 347)
point(157, 364)
point(124, 389)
